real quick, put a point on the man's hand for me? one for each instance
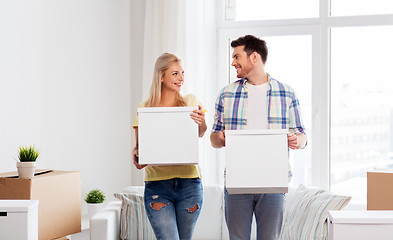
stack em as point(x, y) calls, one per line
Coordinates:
point(292, 141)
point(217, 139)
point(135, 155)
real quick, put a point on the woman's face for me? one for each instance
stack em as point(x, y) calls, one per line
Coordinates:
point(173, 78)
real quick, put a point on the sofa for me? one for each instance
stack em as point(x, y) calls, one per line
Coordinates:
point(105, 225)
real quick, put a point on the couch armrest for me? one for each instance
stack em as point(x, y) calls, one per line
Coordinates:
point(105, 225)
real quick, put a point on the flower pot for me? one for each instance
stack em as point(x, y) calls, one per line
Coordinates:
point(26, 169)
point(93, 208)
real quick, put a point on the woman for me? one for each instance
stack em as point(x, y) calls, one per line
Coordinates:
point(173, 194)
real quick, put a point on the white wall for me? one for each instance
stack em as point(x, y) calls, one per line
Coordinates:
point(65, 87)
point(137, 48)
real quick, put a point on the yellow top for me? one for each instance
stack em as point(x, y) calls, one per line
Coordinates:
point(156, 173)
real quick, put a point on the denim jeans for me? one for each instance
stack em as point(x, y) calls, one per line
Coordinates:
point(173, 206)
point(268, 210)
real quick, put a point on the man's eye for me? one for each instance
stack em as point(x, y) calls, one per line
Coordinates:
point(174, 73)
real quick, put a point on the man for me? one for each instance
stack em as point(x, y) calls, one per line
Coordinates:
point(256, 101)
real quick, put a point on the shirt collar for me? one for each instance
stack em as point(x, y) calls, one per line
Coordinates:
point(244, 80)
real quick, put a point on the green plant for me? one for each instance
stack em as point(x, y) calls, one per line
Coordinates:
point(28, 154)
point(95, 196)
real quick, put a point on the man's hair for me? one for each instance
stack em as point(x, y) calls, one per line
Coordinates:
point(252, 44)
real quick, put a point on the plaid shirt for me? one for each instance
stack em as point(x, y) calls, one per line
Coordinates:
point(282, 107)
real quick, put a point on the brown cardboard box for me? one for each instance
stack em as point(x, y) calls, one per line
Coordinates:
point(380, 190)
point(59, 193)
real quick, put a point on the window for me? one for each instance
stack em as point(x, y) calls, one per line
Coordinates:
point(363, 7)
point(242, 10)
point(362, 106)
point(346, 95)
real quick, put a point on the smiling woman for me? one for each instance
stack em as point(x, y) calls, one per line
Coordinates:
point(173, 194)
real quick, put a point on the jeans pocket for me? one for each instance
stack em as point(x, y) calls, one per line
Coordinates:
point(196, 180)
point(149, 184)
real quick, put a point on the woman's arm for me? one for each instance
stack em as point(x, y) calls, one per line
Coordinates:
point(135, 153)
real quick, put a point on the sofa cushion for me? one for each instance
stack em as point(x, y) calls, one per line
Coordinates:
point(211, 221)
point(306, 213)
point(134, 223)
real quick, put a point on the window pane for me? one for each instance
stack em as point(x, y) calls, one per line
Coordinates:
point(293, 66)
point(361, 107)
point(364, 7)
point(272, 9)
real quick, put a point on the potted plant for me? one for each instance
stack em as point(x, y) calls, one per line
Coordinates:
point(94, 200)
point(27, 159)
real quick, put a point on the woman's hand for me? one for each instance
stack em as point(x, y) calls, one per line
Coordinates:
point(135, 155)
point(199, 117)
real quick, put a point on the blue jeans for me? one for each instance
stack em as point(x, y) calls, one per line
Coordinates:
point(173, 206)
point(268, 210)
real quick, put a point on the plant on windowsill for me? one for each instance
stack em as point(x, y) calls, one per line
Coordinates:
point(94, 199)
point(27, 161)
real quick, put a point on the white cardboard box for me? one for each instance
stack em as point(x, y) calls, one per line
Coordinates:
point(19, 219)
point(256, 161)
point(360, 225)
point(167, 136)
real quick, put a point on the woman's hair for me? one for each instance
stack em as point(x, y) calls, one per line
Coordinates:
point(162, 64)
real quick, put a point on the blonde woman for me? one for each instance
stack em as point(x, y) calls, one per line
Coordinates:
point(173, 194)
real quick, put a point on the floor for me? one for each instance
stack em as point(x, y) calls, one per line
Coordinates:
point(84, 235)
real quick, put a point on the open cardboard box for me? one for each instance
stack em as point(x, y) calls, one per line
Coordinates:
point(59, 193)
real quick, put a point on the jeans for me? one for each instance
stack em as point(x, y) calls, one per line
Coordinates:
point(268, 210)
point(173, 206)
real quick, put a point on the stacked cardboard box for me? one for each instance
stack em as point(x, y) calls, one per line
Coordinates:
point(59, 195)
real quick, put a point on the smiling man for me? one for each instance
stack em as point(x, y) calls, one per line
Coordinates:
point(255, 101)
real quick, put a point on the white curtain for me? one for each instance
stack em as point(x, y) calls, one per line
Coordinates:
point(188, 29)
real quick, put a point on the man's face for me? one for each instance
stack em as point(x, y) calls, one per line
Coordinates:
point(241, 62)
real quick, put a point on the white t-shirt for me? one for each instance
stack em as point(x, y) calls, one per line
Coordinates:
point(257, 106)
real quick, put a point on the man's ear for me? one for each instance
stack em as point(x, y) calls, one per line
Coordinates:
point(254, 57)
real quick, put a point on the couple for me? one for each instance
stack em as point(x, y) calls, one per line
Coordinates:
point(173, 194)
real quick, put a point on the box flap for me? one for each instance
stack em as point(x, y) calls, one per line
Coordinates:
point(361, 217)
point(257, 132)
point(17, 205)
point(166, 109)
point(15, 174)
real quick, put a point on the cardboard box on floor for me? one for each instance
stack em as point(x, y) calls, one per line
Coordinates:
point(380, 190)
point(59, 193)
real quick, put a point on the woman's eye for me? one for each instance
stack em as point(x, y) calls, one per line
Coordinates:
point(174, 74)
